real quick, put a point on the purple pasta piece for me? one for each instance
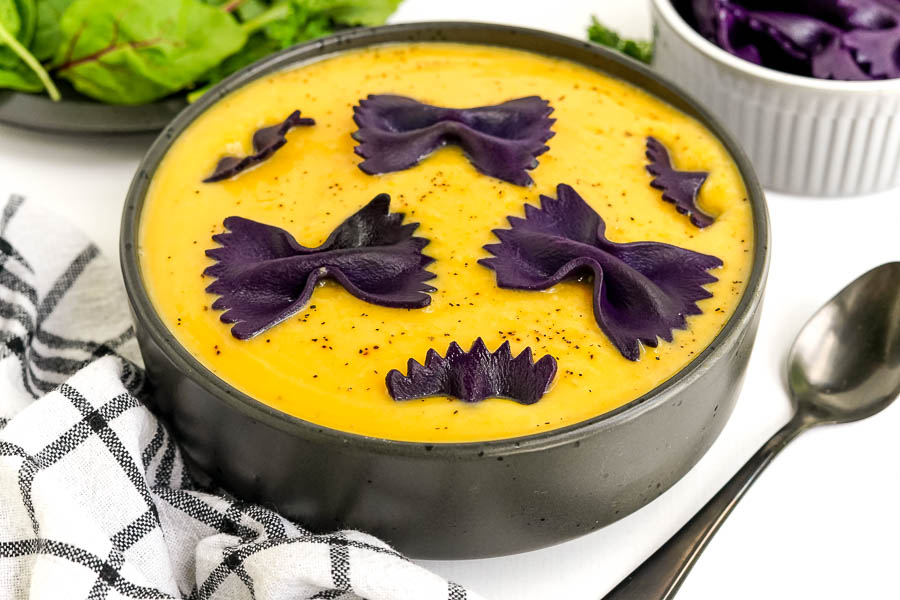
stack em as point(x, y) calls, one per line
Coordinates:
point(827, 39)
point(834, 61)
point(263, 276)
point(809, 41)
point(642, 290)
point(503, 141)
point(265, 142)
point(475, 375)
point(678, 187)
point(879, 53)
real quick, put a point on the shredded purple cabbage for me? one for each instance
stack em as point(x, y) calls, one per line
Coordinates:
point(678, 187)
point(827, 39)
point(503, 141)
point(474, 375)
point(642, 290)
point(265, 142)
point(263, 276)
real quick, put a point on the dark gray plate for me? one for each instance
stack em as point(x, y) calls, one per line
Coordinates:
point(77, 114)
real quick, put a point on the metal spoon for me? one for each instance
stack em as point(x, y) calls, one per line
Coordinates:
point(844, 366)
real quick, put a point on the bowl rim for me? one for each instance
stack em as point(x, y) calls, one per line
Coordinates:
point(438, 31)
point(667, 12)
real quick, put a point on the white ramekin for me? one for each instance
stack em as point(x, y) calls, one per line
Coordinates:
point(805, 136)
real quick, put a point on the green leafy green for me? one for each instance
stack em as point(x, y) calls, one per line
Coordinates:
point(19, 69)
point(354, 12)
point(27, 19)
point(283, 23)
point(19, 77)
point(257, 46)
point(47, 36)
point(248, 9)
point(9, 17)
point(298, 27)
point(137, 51)
point(598, 33)
point(14, 73)
point(132, 52)
point(11, 23)
point(292, 21)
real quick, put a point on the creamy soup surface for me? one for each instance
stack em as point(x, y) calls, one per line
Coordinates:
point(327, 364)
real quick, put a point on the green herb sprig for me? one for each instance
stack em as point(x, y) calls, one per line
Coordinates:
point(641, 50)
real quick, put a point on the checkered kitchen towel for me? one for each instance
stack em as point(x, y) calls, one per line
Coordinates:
point(94, 498)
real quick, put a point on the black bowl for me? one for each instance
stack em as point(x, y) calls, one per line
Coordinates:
point(451, 500)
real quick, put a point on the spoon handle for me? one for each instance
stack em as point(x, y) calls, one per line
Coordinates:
point(660, 576)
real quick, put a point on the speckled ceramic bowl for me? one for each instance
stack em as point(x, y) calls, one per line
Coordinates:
point(804, 135)
point(454, 500)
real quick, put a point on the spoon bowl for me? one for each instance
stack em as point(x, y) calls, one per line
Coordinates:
point(845, 363)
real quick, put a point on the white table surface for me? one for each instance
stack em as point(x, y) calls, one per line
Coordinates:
point(824, 520)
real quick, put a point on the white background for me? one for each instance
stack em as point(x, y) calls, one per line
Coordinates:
point(824, 520)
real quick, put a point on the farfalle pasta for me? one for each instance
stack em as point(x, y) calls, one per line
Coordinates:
point(641, 290)
point(503, 141)
point(263, 276)
point(266, 141)
point(475, 375)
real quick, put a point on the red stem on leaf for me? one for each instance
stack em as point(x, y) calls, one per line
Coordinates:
point(114, 45)
point(232, 6)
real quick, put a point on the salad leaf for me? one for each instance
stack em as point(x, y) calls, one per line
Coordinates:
point(641, 50)
point(27, 19)
point(278, 25)
point(132, 52)
point(247, 9)
point(9, 16)
point(19, 69)
point(257, 46)
point(10, 63)
point(358, 12)
point(294, 20)
point(298, 25)
point(19, 77)
point(47, 36)
point(242, 9)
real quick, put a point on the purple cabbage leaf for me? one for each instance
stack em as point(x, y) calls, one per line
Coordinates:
point(263, 276)
point(502, 141)
point(475, 375)
point(641, 290)
point(265, 142)
point(678, 187)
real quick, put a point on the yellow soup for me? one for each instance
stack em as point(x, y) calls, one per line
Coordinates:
point(327, 364)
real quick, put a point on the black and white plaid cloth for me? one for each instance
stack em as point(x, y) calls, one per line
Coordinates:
point(95, 501)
